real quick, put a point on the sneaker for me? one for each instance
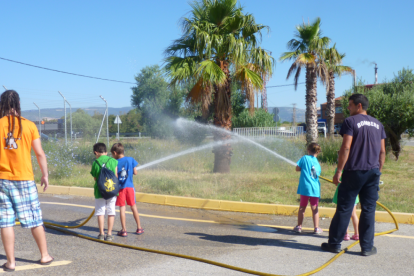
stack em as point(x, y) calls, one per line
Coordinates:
point(139, 231)
point(101, 237)
point(297, 229)
point(109, 238)
point(327, 247)
point(355, 237)
point(347, 237)
point(318, 231)
point(371, 252)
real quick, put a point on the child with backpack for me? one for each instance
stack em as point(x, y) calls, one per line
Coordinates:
point(309, 187)
point(126, 169)
point(104, 178)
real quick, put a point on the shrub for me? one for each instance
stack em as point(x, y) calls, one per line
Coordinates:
point(260, 118)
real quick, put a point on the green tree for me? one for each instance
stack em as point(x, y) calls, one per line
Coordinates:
point(306, 51)
point(131, 122)
point(219, 40)
point(392, 104)
point(238, 99)
point(83, 122)
point(333, 61)
point(156, 101)
point(260, 118)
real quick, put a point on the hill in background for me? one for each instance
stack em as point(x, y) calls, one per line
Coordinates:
point(58, 113)
point(286, 113)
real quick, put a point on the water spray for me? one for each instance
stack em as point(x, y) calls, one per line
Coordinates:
point(209, 145)
point(182, 121)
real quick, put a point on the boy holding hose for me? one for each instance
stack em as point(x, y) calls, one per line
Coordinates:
point(126, 169)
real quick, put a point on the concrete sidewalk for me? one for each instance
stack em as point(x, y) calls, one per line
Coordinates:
point(227, 237)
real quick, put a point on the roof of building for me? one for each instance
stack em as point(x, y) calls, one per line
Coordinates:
point(337, 99)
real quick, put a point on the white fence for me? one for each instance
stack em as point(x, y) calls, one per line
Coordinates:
point(257, 132)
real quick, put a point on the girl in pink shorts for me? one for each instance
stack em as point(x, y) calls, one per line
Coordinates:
point(309, 187)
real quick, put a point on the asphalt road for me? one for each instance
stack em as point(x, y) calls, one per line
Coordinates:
point(407, 142)
point(232, 238)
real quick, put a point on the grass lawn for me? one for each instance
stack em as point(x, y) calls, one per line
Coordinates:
point(254, 177)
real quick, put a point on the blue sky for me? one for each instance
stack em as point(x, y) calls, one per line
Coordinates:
point(115, 39)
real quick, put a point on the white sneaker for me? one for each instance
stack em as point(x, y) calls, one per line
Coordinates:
point(318, 231)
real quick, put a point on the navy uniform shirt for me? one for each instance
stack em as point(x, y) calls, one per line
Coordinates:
point(367, 133)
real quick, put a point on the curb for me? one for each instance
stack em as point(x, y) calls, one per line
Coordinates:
point(225, 205)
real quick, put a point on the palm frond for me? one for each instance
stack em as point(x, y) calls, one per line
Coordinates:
point(211, 72)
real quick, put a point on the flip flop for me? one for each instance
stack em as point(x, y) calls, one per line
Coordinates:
point(5, 268)
point(122, 233)
point(47, 263)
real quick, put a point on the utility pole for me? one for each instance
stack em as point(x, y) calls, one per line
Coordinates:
point(294, 115)
point(70, 111)
point(376, 74)
point(107, 124)
point(64, 104)
point(40, 125)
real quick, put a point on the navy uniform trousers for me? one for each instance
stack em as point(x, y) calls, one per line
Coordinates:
point(366, 184)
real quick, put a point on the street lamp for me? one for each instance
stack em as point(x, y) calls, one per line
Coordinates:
point(40, 126)
point(107, 124)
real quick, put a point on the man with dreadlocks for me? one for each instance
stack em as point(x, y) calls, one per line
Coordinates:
point(18, 192)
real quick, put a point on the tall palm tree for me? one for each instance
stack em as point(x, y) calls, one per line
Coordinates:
point(219, 43)
point(306, 51)
point(333, 61)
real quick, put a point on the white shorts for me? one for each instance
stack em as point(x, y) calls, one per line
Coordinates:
point(105, 206)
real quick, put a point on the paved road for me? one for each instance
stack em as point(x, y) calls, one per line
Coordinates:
point(407, 142)
point(227, 237)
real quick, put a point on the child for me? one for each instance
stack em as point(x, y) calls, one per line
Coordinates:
point(309, 186)
point(103, 206)
point(354, 217)
point(126, 168)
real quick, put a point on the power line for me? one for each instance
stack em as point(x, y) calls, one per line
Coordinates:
point(284, 85)
point(65, 72)
point(74, 74)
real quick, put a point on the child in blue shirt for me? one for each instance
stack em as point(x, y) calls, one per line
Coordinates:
point(126, 168)
point(309, 187)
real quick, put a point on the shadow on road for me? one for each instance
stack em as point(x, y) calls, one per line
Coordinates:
point(252, 241)
point(3, 257)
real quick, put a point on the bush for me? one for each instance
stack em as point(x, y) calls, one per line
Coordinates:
point(260, 118)
point(60, 160)
point(330, 147)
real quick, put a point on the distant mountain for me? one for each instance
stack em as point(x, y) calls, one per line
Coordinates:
point(59, 112)
point(286, 114)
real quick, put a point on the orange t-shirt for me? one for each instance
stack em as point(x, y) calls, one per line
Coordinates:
point(15, 157)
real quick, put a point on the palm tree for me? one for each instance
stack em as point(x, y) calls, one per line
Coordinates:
point(219, 43)
point(333, 61)
point(306, 50)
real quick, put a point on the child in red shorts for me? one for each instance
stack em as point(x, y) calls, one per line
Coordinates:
point(126, 168)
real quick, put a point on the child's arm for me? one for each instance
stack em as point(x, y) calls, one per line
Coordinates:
point(116, 171)
point(135, 171)
point(298, 164)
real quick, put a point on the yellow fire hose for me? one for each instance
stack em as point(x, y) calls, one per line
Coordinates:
point(59, 227)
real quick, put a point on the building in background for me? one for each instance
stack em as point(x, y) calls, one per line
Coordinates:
point(339, 115)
